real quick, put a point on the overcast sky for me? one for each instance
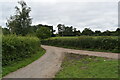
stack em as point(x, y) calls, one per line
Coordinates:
point(95, 14)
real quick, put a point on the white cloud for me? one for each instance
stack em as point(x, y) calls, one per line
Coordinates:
point(54, 1)
point(96, 15)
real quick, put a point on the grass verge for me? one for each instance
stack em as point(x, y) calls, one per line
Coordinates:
point(17, 65)
point(82, 66)
point(98, 50)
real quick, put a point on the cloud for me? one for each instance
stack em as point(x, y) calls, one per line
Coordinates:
point(54, 1)
point(95, 15)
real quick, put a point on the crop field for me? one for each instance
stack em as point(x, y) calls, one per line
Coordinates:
point(114, 37)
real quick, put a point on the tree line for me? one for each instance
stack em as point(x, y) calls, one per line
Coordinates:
point(71, 31)
point(65, 31)
point(20, 24)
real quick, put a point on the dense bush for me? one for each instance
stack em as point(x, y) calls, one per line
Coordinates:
point(17, 48)
point(85, 42)
point(43, 33)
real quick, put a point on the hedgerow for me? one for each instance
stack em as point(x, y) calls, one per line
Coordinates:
point(85, 42)
point(16, 48)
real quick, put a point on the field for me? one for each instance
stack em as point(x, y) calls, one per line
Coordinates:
point(36, 49)
point(79, 66)
point(94, 43)
point(114, 37)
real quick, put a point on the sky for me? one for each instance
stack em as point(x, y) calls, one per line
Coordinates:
point(94, 14)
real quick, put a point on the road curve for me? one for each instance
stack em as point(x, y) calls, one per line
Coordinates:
point(49, 64)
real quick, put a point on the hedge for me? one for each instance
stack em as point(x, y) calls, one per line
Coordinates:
point(86, 42)
point(16, 48)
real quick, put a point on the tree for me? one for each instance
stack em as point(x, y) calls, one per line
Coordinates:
point(118, 31)
point(5, 31)
point(87, 31)
point(76, 33)
point(0, 31)
point(43, 32)
point(68, 31)
point(97, 33)
point(61, 28)
point(106, 33)
point(21, 21)
point(50, 27)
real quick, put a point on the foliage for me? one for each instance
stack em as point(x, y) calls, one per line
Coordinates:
point(16, 48)
point(76, 33)
point(5, 31)
point(70, 31)
point(118, 31)
point(87, 31)
point(106, 33)
point(34, 28)
point(82, 66)
point(60, 29)
point(43, 33)
point(0, 32)
point(67, 31)
point(86, 42)
point(19, 64)
point(97, 33)
point(21, 21)
point(47, 26)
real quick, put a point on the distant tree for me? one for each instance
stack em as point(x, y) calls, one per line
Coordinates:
point(106, 33)
point(68, 31)
point(113, 33)
point(87, 31)
point(61, 28)
point(50, 27)
point(21, 21)
point(0, 27)
point(118, 31)
point(32, 29)
point(97, 33)
point(5, 31)
point(0, 30)
point(76, 33)
point(74, 29)
point(43, 32)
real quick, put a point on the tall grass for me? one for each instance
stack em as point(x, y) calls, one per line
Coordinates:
point(86, 42)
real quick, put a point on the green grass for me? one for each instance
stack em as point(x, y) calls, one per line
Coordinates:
point(114, 37)
point(16, 65)
point(98, 50)
point(81, 66)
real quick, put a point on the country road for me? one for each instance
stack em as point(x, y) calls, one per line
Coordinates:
point(49, 64)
